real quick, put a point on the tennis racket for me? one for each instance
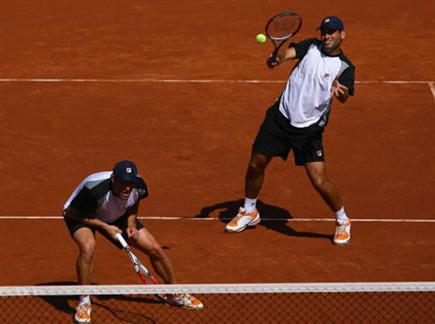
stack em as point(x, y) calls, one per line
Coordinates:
point(144, 274)
point(280, 28)
point(142, 271)
point(146, 277)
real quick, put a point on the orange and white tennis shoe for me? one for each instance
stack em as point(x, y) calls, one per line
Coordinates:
point(83, 313)
point(243, 220)
point(184, 300)
point(342, 232)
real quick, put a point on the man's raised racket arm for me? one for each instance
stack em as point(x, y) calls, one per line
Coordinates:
point(284, 54)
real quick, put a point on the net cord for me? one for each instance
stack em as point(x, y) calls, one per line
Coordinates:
point(218, 288)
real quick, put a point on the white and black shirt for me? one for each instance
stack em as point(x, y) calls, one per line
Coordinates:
point(94, 198)
point(307, 95)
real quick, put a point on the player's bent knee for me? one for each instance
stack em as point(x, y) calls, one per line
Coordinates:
point(320, 183)
point(87, 249)
point(256, 166)
point(156, 253)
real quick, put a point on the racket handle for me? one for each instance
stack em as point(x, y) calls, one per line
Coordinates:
point(121, 240)
point(272, 61)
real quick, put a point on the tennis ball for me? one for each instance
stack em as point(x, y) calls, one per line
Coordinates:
point(261, 38)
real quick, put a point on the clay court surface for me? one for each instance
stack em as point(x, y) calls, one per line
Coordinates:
point(171, 87)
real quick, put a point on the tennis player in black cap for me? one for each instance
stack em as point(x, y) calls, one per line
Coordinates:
point(108, 202)
point(297, 119)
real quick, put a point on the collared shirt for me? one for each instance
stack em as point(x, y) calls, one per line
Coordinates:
point(307, 96)
point(94, 197)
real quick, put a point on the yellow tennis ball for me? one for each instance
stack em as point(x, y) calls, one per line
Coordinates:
point(261, 38)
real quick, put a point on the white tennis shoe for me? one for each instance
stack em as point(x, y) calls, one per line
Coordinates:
point(342, 232)
point(184, 300)
point(243, 220)
point(83, 313)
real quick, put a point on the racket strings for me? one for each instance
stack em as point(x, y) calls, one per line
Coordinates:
point(283, 27)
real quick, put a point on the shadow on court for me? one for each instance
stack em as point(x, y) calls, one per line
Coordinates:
point(66, 304)
point(61, 303)
point(277, 218)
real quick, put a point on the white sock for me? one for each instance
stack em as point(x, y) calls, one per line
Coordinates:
point(85, 299)
point(250, 205)
point(341, 215)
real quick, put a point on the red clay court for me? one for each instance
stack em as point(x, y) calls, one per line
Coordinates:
point(181, 89)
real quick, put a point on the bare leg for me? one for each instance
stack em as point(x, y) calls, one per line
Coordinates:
point(85, 240)
point(255, 174)
point(316, 171)
point(85, 261)
point(146, 243)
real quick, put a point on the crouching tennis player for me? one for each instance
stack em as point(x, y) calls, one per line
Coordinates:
point(108, 202)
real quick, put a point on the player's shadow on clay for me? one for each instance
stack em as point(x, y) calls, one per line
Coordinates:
point(111, 304)
point(273, 217)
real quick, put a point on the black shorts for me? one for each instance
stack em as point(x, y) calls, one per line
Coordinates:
point(277, 137)
point(74, 225)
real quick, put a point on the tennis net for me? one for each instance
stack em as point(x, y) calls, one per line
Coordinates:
point(387, 302)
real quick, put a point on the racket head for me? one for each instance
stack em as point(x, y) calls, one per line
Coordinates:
point(145, 276)
point(142, 271)
point(283, 26)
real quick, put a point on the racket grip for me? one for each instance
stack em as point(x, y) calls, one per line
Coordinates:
point(121, 240)
point(272, 61)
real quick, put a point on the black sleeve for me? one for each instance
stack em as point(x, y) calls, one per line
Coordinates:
point(347, 78)
point(302, 47)
point(141, 188)
point(84, 204)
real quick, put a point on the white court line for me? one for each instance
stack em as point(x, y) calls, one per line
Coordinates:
point(169, 218)
point(141, 81)
point(151, 80)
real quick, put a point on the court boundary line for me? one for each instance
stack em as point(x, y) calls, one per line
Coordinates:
point(430, 84)
point(175, 218)
point(155, 80)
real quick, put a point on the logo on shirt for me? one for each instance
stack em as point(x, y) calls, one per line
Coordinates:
point(319, 153)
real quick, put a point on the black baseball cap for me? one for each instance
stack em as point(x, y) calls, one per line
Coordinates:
point(125, 171)
point(331, 22)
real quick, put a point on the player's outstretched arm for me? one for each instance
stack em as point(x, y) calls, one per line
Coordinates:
point(93, 222)
point(283, 55)
point(288, 54)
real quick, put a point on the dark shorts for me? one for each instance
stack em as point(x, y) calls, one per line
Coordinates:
point(277, 137)
point(74, 225)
